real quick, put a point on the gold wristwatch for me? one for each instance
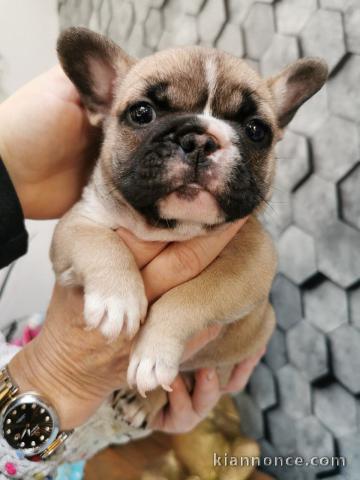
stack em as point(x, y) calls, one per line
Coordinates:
point(28, 422)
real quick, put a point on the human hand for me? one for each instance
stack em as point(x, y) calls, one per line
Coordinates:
point(184, 410)
point(77, 369)
point(47, 144)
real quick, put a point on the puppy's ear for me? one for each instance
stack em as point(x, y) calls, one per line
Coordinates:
point(296, 84)
point(93, 63)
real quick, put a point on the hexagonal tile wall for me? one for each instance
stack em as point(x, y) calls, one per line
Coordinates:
point(350, 197)
point(303, 397)
point(307, 350)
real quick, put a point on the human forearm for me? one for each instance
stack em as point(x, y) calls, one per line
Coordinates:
point(74, 369)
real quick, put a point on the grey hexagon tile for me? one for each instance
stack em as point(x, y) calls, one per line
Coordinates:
point(293, 162)
point(341, 5)
point(277, 216)
point(275, 356)
point(334, 4)
point(350, 197)
point(269, 450)
point(187, 34)
point(307, 350)
point(313, 439)
point(74, 12)
point(166, 40)
point(254, 64)
point(252, 423)
point(334, 477)
point(239, 10)
point(121, 22)
point(354, 302)
point(344, 346)
point(336, 409)
point(286, 300)
point(315, 204)
point(282, 51)
point(173, 14)
point(158, 3)
point(344, 98)
point(349, 446)
point(96, 5)
point(326, 306)
point(323, 36)
point(231, 40)
point(193, 7)
point(105, 13)
point(292, 15)
point(334, 155)
point(311, 116)
point(294, 392)
point(258, 29)
point(211, 20)
point(352, 31)
point(282, 431)
point(337, 249)
point(262, 386)
point(297, 256)
point(141, 9)
point(153, 28)
point(94, 21)
point(136, 42)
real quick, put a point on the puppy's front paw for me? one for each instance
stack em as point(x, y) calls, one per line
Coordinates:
point(115, 308)
point(154, 362)
point(132, 409)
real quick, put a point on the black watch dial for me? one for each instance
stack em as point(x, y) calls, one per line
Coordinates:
point(27, 426)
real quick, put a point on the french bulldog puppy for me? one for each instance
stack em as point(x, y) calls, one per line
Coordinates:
point(188, 147)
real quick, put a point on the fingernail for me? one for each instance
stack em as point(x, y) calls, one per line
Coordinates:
point(210, 374)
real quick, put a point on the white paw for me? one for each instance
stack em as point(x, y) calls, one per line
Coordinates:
point(153, 364)
point(115, 314)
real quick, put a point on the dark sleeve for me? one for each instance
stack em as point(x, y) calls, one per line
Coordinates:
point(13, 236)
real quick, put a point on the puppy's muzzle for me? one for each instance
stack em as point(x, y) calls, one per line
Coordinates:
point(198, 146)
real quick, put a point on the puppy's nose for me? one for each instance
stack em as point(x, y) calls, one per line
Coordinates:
point(201, 143)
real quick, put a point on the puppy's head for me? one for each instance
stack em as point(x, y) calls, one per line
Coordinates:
point(189, 133)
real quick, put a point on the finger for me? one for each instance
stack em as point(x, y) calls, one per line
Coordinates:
point(199, 341)
point(206, 392)
point(182, 261)
point(242, 372)
point(143, 251)
point(179, 410)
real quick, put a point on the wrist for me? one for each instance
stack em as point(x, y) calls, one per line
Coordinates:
point(34, 376)
point(74, 369)
point(66, 388)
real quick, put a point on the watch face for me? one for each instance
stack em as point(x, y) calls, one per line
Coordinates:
point(28, 424)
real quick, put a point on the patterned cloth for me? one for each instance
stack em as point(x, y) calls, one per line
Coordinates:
point(104, 428)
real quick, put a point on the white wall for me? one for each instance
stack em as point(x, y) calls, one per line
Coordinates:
point(28, 32)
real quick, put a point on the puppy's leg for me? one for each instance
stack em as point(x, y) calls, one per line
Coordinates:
point(87, 254)
point(136, 411)
point(237, 342)
point(229, 289)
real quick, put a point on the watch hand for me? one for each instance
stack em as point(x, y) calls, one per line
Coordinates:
point(23, 433)
point(35, 429)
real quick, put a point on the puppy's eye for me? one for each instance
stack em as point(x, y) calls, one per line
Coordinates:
point(141, 113)
point(256, 130)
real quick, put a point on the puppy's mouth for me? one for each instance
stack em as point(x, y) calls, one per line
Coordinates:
point(189, 192)
point(191, 203)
